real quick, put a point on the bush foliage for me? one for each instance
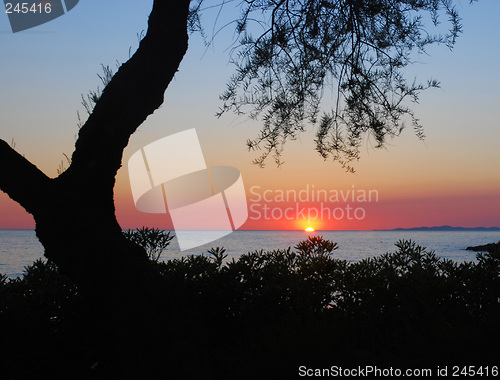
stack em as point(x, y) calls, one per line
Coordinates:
point(153, 240)
point(271, 311)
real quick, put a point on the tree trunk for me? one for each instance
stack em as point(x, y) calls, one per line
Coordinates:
point(74, 213)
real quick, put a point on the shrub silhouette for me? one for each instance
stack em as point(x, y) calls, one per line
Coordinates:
point(268, 311)
point(153, 240)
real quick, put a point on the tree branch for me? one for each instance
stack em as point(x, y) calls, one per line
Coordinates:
point(134, 93)
point(20, 179)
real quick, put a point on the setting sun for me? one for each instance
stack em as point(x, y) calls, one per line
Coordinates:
point(309, 229)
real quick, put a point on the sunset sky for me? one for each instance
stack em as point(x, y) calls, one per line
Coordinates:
point(453, 178)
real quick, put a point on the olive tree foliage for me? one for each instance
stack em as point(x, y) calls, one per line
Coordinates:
point(290, 52)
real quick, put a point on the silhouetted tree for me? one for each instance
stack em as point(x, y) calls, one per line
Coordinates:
point(75, 214)
point(358, 46)
point(291, 50)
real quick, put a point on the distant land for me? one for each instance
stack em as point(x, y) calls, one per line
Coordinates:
point(445, 228)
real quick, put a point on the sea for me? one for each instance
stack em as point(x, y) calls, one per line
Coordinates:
point(19, 248)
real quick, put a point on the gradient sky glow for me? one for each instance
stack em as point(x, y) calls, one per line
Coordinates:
point(452, 178)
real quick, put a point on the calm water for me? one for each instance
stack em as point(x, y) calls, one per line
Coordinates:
point(19, 248)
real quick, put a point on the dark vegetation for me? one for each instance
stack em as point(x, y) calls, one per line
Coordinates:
point(268, 312)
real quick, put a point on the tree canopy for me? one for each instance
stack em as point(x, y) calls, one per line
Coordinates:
point(291, 52)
